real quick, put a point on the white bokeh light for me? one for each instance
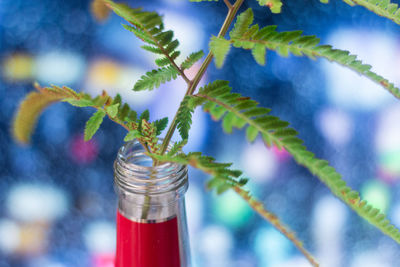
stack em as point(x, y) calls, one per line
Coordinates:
point(36, 203)
point(259, 162)
point(9, 236)
point(216, 244)
point(100, 237)
point(186, 29)
point(59, 67)
point(370, 259)
point(328, 223)
point(388, 129)
point(335, 125)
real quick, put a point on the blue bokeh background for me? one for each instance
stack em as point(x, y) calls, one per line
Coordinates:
point(57, 203)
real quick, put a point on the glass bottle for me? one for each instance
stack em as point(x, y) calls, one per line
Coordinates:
point(151, 217)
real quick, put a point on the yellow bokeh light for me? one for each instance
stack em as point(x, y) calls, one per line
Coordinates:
point(18, 67)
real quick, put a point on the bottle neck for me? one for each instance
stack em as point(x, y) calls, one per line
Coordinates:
point(148, 193)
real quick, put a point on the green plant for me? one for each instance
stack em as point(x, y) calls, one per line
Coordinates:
point(216, 98)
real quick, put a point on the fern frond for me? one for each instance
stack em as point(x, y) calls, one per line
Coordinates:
point(272, 219)
point(274, 5)
point(184, 118)
point(148, 26)
point(294, 42)
point(237, 111)
point(223, 179)
point(177, 147)
point(220, 172)
point(384, 8)
point(35, 102)
point(220, 47)
point(153, 79)
point(30, 109)
point(191, 59)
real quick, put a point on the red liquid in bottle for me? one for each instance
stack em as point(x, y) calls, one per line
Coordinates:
point(147, 244)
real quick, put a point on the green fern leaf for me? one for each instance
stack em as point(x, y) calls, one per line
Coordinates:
point(177, 147)
point(258, 53)
point(93, 124)
point(384, 8)
point(219, 47)
point(184, 118)
point(112, 110)
point(155, 78)
point(139, 33)
point(172, 46)
point(285, 43)
point(79, 102)
point(350, 2)
point(242, 24)
point(274, 5)
point(191, 59)
point(136, 16)
point(100, 100)
point(144, 116)
point(134, 134)
point(117, 99)
point(163, 61)
point(241, 112)
point(165, 38)
point(153, 49)
point(123, 111)
point(132, 115)
point(161, 125)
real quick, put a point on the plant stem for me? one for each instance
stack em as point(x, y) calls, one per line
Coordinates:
point(193, 84)
point(228, 4)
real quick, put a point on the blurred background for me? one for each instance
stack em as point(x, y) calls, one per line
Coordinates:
point(57, 203)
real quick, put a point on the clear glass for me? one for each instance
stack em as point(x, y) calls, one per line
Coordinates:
point(151, 208)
